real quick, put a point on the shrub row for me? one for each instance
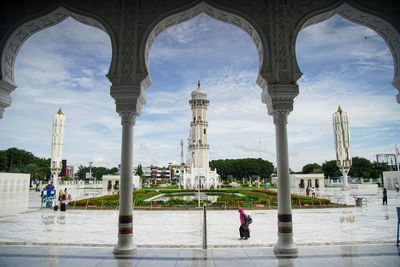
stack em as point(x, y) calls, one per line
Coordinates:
point(250, 198)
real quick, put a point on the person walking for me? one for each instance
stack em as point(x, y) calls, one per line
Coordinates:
point(244, 227)
point(384, 200)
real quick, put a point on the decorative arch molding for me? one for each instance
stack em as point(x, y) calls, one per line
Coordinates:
point(27, 29)
point(218, 14)
point(388, 32)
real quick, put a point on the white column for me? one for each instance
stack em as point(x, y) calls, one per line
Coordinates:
point(279, 101)
point(285, 242)
point(125, 243)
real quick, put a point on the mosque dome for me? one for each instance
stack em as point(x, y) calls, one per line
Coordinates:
point(199, 93)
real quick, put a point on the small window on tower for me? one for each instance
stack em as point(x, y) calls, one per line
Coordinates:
point(205, 132)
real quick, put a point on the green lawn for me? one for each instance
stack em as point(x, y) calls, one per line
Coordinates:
point(252, 198)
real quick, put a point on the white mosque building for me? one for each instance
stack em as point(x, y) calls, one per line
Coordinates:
point(199, 173)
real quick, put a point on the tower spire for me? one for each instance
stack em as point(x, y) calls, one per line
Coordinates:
point(198, 84)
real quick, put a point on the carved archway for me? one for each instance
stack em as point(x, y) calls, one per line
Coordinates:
point(378, 24)
point(158, 27)
point(27, 29)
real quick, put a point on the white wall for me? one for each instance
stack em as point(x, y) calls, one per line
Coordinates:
point(14, 182)
point(390, 179)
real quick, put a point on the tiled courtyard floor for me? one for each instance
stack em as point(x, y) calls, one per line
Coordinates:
point(353, 236)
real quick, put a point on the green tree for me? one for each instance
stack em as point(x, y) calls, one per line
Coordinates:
point(81, 173)
point(361, 167)
point(331, 169)
point(139, 171)
point(21, 161)
point(97, 172)
point(3, 161)
point(309, 168)
point(378, 168)
point(242, 168)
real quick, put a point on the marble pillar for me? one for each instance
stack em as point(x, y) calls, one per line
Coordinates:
point(285, 242)
point(279, 101)
point(125, 243)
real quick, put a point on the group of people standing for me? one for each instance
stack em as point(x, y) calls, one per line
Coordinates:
point(312, 190)
point(63, 198)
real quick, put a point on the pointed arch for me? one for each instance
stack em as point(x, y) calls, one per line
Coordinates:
point(238, 20)
point(27, 29)
point(380, 25)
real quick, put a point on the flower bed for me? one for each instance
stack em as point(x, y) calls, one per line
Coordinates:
point(252, 198)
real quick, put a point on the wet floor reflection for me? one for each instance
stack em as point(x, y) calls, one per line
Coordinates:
point(53, 219)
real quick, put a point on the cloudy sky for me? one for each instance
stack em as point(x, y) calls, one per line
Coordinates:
point(65, 65)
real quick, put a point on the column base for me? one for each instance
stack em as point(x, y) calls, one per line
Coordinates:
point(125, 245)
point(285, 245)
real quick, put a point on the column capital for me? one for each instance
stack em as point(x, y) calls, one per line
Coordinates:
point(279, 100)
point(280, 116)
point(127, 118)
point(129, 100)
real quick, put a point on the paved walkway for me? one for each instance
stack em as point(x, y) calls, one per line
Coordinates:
point(355, 236)
point(365, 255)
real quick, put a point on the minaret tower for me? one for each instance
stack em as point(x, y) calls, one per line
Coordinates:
point(341, 131)
point(57, 145)
point(182, 163)
point(198, 148)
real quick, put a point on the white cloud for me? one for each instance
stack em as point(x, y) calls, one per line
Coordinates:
point(339, 67)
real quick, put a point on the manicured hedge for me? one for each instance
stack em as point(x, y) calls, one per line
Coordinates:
point(249, 198)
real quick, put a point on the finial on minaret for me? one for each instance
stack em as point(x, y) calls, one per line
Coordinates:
point(339, 109)
point(198, 84)
point(60, 111)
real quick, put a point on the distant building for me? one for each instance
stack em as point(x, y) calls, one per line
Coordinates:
point(302, 181)
point(177, 171)
point(155, 173)
point(390, 178)
point(390, 160)
point(113, 182)
point(63, 168)
point(69, 171)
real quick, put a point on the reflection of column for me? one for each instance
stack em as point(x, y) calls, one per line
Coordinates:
point(285, 242)
point(125, 231)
